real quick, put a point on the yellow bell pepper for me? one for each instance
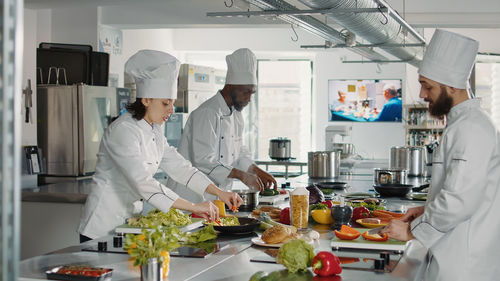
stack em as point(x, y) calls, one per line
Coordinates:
point(222, 207)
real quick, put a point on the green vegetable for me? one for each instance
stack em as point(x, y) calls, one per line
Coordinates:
point(226, 221)
point(369, 206)
point(151, 244)
point(205, 234)
point(282, 275)
point(270, 192)
point(296, 255)
point(156, 217)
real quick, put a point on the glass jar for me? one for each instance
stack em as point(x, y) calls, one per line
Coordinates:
point(299, 207)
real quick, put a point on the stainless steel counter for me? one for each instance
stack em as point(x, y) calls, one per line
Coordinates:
point(227, 264)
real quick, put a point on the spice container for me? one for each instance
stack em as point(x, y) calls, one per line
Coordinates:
point(299, 207)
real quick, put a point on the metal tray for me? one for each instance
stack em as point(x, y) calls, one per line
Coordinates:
point(53, 275)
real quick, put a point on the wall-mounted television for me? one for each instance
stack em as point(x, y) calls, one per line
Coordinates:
point(377, 100)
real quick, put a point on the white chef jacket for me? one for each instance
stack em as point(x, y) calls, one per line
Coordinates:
point(212, 141)
point(130, 153)
point(461, 223)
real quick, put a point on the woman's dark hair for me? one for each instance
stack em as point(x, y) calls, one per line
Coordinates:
point(137, 109)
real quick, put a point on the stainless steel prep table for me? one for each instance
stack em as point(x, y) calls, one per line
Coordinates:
point(224, 265)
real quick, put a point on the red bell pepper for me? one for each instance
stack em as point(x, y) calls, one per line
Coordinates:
point(326, 264)
point(327, 203)
point(376, 237)
point(285, 215)
point(347, 233)
point(360, 213)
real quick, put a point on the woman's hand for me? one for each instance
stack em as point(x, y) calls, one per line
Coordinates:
point(412, 214)
point(398, 230)
point(231, 199)
point(206, 210)
point(266, 178)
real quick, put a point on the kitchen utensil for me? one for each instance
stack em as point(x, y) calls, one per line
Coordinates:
point(393, 190)
point(331, 185)
point(399, 157)
point(250, 199)
point(57, 273)
point(419, 188)
point(324, 164)
point(279, 148)
point(361, 243)
point(389, 176)
point(152, 271)
point(246, 225)
point(376, 230)
point(347, 149)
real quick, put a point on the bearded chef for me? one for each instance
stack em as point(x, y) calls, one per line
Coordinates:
point(459, 224)
point(213, 136)
point(133, 148)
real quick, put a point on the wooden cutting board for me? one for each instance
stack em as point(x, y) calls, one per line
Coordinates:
point(361, 243)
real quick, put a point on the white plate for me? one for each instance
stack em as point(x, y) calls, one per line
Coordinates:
point(259, 242)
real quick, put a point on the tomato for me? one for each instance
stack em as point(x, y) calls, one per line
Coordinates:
point(328, 203)
point(285, 215)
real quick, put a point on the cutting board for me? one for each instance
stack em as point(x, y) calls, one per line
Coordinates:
point(125, 228)
point(270, 200)
point(361, 243)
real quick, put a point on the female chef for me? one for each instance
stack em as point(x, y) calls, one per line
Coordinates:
point(134, 147)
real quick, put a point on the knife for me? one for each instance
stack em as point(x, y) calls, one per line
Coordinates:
point(376, 230)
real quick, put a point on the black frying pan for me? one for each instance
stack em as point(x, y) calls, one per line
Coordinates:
point(246, 225)
point(332, 185)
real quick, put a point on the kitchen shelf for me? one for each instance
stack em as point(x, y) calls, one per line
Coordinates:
point(424, 127)
point(421, 127)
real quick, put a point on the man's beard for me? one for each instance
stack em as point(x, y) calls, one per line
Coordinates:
point(442, 105)
point(238, 105)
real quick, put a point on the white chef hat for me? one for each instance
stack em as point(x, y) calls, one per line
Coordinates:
point(389, 86)
point(241, 68)
point(449, 59)
point(155, 74)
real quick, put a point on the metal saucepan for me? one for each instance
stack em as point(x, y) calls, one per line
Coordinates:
point(324, 164)
point(250, 199)
point(389, 176)
point(279, 149)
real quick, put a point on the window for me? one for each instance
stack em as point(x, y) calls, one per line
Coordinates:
point(281, 108)
point(487, 87)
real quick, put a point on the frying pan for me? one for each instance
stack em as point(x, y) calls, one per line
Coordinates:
point(246, 225)
point(393, 190)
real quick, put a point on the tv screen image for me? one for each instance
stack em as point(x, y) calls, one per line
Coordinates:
point(365, 100)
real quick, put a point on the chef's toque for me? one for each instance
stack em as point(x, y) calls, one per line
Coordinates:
point(449, 59)
point(155, 74)
point(241, 68)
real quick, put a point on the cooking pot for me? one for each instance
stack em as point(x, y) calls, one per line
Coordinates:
point(250, 199)
point(347, 149)
point(279, 149)
point(389, 176)
point(410, 158)
point(324, 164)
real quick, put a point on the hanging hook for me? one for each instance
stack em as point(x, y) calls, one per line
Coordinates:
point(379, 69)
point(230, 5)
point(382, 13)
point(296, 35)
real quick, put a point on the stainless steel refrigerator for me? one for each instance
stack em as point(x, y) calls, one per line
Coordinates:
point(71, 122)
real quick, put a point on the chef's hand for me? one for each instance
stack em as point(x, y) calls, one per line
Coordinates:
point(248, 179)
point(207, 210)
point(398, 230)
point(231, 199)
point(412, 214)
point(266, 178)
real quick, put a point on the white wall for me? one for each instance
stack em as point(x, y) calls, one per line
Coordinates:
point(75, 26)
point(29, 72)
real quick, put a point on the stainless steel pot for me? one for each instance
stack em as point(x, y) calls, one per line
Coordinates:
point(324, 164)
point(347, 149)
point(250, 199)
point(279, 149)
point(389, 176)
point(410, 158)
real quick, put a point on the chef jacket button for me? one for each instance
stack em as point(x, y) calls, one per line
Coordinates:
point(153, 139)
point(232, 154)
point(222, 156)
point(156, 162)
point(222, 137)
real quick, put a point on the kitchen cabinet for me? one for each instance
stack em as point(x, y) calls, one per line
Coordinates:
point(421, 127)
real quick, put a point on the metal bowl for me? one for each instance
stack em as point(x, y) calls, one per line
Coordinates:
point(250, 199)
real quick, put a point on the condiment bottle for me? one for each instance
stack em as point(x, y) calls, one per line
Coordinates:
point(341, 214)
point(299, 207)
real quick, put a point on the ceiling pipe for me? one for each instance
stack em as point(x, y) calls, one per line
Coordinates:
point(313, 26)
point(376, 28)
